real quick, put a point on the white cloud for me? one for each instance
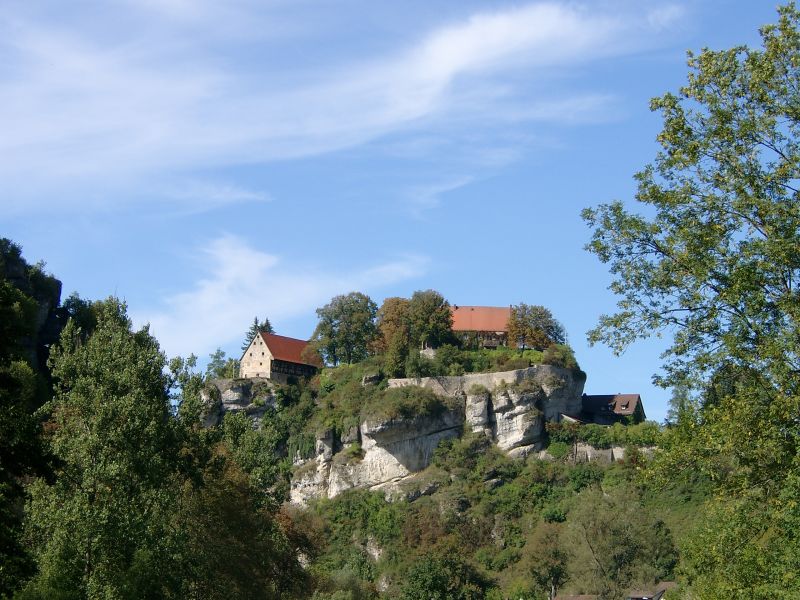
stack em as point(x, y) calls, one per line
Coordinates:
point(83, 104)
point(426, 197)
point(664, 17)
point(195, 196)
point(242, 281)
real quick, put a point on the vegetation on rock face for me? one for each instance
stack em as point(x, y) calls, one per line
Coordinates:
point(717, 264)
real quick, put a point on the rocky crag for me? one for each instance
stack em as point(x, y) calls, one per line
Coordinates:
point(510, 407)
point(249, 396)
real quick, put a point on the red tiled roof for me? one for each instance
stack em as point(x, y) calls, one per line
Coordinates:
point(620, 404)
point(285, 348)
point(480, 318)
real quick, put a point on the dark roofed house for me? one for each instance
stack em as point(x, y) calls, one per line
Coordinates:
point(275, 357)
point(607, 409)
point(487, 326)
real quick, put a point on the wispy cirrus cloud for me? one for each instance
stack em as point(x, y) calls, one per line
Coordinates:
point(167, 92)
point(240, 281)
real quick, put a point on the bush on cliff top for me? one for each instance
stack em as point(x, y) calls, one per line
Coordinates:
point(406, 402)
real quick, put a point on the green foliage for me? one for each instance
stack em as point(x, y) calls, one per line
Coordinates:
point(558, 449)
point(346, 328)
point(257, 327)
point(257, 453)
point(220, 368)
point(116, 450)
point(547, 558)
point(430, 319)
point(647, 433)
point(302, 445)
point(444, 576)
point(406, 402)
point(617, 544)
point(534, 327)
point(363, 513)
point(450, 360)
point(716, 265)
point(559, 355)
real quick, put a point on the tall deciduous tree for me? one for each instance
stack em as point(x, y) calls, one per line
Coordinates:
point(716, 264)
point(534, 327)
point(431, 319)
point(110, 429)
point(547, 558)
point(617, 543)
point(394, 325)
point(346, 328)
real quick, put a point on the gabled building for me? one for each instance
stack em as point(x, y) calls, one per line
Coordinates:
point(607, 409)
point(275, 357)
point(484, 326)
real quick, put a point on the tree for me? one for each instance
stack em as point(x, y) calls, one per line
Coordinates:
point(257, 327)
point(617, 543)
point(346, 328)
point(444, 575)
point(103, 516)
point(716, 265)
point(534, 327)
point(431, 319)
point(394, 325)
point(220, 368)
point(547, 558)
point(22, 389)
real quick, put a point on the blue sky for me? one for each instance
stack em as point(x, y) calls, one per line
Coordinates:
point(209, 161)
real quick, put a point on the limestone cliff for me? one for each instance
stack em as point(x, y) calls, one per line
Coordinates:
point(250, 396)
point(510, 407)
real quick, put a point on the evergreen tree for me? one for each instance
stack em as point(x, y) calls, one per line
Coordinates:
point(257, 327)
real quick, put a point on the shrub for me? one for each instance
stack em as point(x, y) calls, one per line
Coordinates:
point(553, 513)
point(584, 475)
point(476, 389)
point(560, 355)
point(558, 449)
point(302, 444)
point(406, 402)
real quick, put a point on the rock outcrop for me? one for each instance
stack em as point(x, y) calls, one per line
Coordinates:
point(250, 396)
point(390, 451)
point(510, 407)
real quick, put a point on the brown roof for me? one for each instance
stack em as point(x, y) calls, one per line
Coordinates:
point(285, 348)
point(481, 318)
point(619, 404)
